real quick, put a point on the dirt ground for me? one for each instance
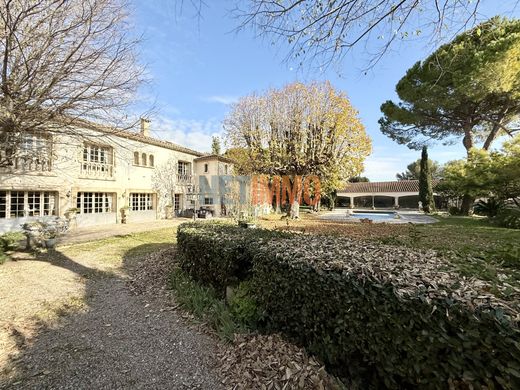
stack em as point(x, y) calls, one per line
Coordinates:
point(75, 318)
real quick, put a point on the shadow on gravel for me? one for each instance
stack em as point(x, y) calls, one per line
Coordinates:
point(119, 337)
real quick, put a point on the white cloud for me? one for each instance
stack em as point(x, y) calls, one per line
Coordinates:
point(191, 133)
point(222, 99)
point(384, 168)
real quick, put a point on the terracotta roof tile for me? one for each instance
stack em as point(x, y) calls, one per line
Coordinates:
point(385, 186)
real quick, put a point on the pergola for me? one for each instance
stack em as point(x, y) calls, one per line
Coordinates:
point(385, 194)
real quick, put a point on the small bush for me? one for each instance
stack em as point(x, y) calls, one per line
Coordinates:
point(453, 210)
point(8, 242)
point(508, 217)
point(489, 208)
point(204, 304)
point(243, 306)
point(388, 316)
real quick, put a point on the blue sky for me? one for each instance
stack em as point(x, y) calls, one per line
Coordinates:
point(198, 67)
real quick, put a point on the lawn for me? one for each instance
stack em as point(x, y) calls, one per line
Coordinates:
point(471, 244)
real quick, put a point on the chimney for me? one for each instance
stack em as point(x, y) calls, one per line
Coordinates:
point(145, 127)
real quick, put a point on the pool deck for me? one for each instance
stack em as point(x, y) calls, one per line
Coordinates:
point(406, 216)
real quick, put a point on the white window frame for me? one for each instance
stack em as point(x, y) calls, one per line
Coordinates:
point(89, 202)
point(28, 203)
point(183, 168)
point(141, 201)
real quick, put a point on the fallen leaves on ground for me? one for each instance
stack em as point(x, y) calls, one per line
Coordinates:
point(269, 362)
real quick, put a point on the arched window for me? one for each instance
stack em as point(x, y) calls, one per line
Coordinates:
point(143, 159)
point(136, 158)
point(150, 160)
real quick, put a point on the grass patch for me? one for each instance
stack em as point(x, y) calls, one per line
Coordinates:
point(114, 250)
point(205, 305)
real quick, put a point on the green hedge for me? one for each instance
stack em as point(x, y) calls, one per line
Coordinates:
point(387, 316)
point(219, 254)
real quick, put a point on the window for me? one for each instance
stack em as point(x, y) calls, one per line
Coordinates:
point(97, 154)
point(206, 168)
point(226, 169)
point(141, 202)
point(18, 204)
point(97, 161)
point(144, 160)
point(32, 151)
point(94, 202)
point(177, 200)
point(183, 168)
point(208, 201)
point(3, 204)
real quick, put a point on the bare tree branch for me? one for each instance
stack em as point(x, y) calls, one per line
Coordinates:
point(62, 62)
point(320, 33)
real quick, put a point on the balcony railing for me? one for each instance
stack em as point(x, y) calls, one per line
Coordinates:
point(25, 163)
point(184, 179)
point(97, 170)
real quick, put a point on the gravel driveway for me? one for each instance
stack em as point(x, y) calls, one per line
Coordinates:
point(126, 335)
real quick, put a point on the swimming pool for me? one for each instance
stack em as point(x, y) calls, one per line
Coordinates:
point(374, 216)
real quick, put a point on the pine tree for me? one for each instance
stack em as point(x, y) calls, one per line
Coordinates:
point(215, 146)
point(425, 184)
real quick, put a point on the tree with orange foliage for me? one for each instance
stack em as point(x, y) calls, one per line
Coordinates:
point(300, 130)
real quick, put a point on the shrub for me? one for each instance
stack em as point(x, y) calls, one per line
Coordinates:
point(508, 217)
point(389, 316)
point(218, 254)
point(243, 306)
point(454, 210)
point(489, 208)
point(204, 304)
point(9, 241)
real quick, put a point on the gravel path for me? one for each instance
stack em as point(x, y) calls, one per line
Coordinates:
point(127, 335)
point(120, 341)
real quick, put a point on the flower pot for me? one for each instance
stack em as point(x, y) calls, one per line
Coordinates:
point(50, 243)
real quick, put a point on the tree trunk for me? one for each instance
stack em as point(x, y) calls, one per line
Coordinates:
point(467, 141)
point(467, 204)
point(295, 210)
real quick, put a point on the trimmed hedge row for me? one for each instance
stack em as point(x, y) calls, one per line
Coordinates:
point(387, 316)
point(219, 254)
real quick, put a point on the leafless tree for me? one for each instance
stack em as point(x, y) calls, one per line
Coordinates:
point(164, 181)
point(323, 31)
point(61, 62)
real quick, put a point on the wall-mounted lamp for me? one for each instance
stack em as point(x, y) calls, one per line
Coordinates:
point(68, 194)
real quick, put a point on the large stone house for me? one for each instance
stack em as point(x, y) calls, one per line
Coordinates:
point(103, 175)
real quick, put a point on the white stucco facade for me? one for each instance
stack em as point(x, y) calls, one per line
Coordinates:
point(102, 176)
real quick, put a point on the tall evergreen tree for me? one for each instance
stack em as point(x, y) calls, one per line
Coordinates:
point(468, 89)
point(425, 184)
point(215, 146)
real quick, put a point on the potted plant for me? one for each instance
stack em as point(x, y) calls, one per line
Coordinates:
point(51, 230)
point(33, 233)
point(71, 213)
point(124, 213)
point(51, 239)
